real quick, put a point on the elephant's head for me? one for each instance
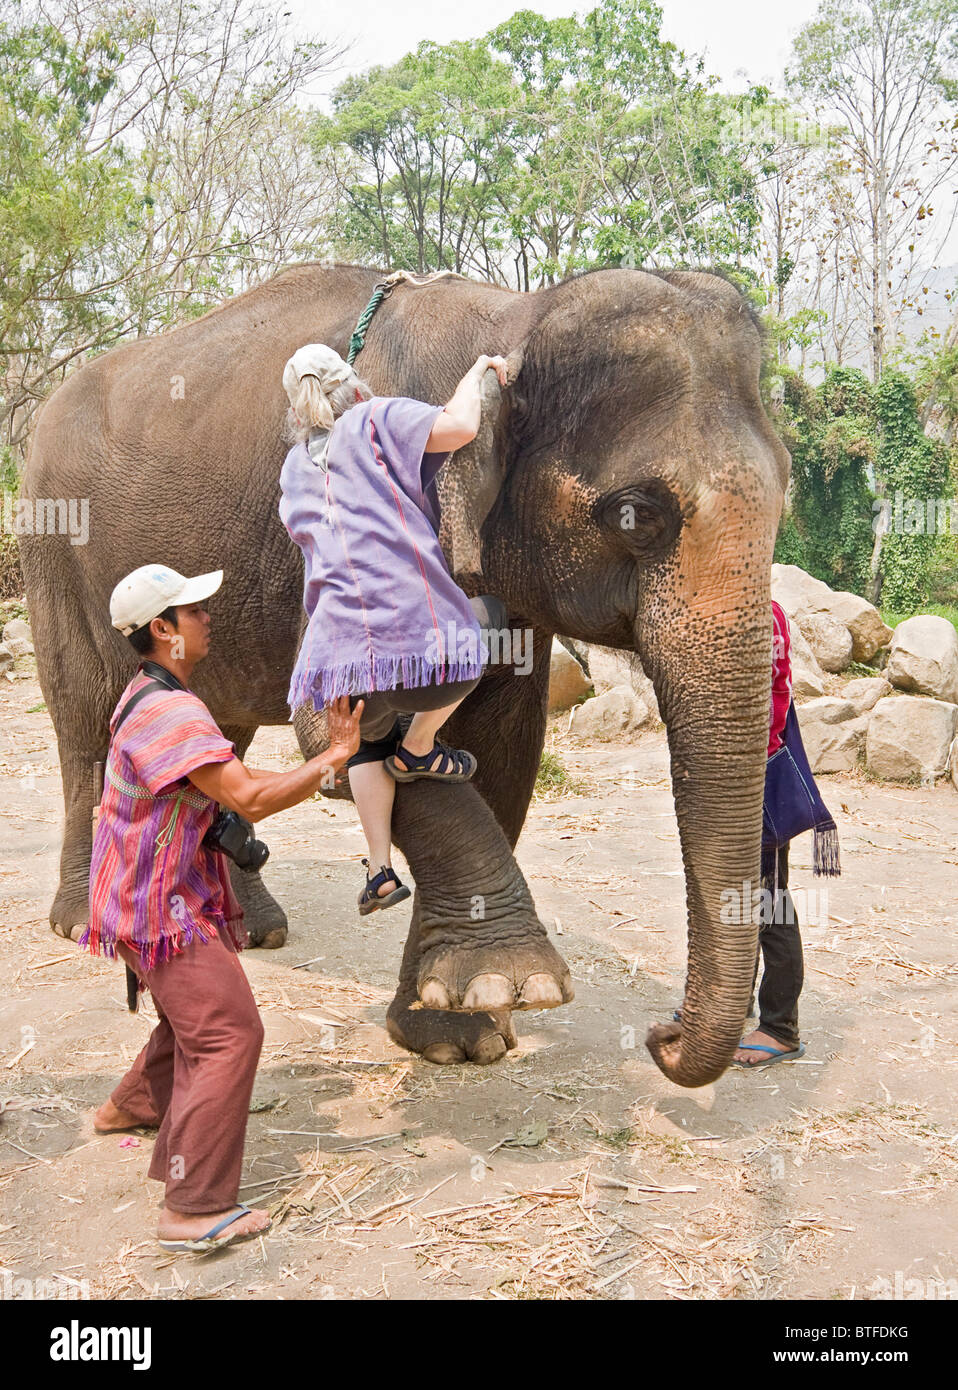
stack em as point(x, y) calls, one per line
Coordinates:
point(637, 488)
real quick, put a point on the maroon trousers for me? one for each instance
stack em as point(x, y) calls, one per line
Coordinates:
point(194, 1077)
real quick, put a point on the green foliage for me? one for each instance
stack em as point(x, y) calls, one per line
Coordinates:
point(11, 579)
point(893, 617)
point(853, 443)
point(60, 205)
point(549, 146)
point(915, 466)
point(830, 431)
point(554, 779)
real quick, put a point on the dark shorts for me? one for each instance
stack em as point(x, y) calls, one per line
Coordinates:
point(379, 728)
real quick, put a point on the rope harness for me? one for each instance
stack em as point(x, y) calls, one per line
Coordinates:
point(383, 288)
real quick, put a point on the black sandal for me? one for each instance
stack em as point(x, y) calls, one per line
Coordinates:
point(456, 765)
point(369, 899)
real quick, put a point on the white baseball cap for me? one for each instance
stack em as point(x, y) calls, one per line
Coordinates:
point(318, 360)
point(144, 594)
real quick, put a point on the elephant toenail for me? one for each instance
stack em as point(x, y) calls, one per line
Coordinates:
point(489, 1050)
point(434, 995)
point(443, 1054)
point(273, 940)
point(541, 991)
point(489, 992)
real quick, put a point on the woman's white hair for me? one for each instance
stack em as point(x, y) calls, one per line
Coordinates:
point(311, 407)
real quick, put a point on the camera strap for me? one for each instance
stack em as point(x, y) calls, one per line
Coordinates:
point(160, 679)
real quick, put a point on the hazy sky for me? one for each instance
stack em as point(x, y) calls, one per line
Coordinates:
point(734, 35)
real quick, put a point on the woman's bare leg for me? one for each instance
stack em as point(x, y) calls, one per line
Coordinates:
point(373, 792)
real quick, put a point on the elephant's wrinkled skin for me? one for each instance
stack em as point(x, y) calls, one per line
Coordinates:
point(628, 495)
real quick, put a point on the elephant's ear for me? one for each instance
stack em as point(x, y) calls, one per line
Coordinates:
point(470, 481)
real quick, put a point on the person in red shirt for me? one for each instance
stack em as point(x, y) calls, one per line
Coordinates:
point(779, 940)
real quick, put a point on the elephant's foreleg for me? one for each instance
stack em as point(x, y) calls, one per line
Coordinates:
point(263, 917)
point(476, 948)
point(503, 724)
point(80, 694)
point(71, 905)
point(481, 945)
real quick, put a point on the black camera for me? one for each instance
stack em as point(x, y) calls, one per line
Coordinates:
point(234, 836)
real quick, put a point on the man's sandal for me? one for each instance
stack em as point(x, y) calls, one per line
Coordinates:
point(202, 1245)
point(455, 765)
point(369, 899)
point(775, 1055)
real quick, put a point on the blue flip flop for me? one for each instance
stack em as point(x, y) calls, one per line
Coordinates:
point(203, 1244)
point(775, 1055)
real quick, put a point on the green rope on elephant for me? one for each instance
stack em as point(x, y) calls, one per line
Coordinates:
point(358, 339)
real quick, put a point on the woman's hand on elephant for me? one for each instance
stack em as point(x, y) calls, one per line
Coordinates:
point(497, 364)
point(343, 727)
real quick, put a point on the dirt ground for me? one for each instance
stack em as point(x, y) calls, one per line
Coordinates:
point(572, 1169)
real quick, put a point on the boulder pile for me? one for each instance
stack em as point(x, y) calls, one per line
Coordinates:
point(17, 641)
point(901, 723)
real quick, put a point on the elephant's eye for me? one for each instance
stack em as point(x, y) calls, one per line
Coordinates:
point(645, 517)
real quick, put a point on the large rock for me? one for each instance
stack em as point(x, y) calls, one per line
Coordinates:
point(802, 596)
point(567, 680)
point(832, 709)
point(833, 734)
point(6, 658)
point(865, 692)
point(829, 639)
point(910, 736)
point(953, 764)
point(808, 679)
point(924, 657)
point(17, 637)
point(610, 669)
point(613, 715)
point(580, 650)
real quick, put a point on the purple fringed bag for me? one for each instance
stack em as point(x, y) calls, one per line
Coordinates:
point(793, 804)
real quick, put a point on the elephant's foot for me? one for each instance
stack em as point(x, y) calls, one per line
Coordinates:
point(467, 977)
point(263, 918)
point(69, 915)
point(447, 1038)
point(267, 937)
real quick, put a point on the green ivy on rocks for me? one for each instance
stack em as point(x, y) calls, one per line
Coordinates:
point(851, 443)
point(910, 464)
point(830, 432)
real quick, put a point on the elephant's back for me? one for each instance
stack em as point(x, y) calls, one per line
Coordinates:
point(211, 385)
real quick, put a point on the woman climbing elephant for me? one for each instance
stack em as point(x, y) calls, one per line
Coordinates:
point(386, 621)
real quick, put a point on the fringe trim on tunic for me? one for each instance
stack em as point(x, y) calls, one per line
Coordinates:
point(377, 674)
point(153, 952)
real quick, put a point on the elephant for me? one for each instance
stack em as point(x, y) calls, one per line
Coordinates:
point(625, 489)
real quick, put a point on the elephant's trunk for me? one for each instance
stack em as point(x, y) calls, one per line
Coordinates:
point(712, 671)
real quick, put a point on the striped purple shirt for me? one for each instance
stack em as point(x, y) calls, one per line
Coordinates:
point(153, 884)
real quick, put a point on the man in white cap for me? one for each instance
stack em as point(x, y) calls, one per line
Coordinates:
point(161, 899)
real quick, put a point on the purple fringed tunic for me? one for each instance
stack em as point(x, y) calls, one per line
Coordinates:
point(383, 608)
